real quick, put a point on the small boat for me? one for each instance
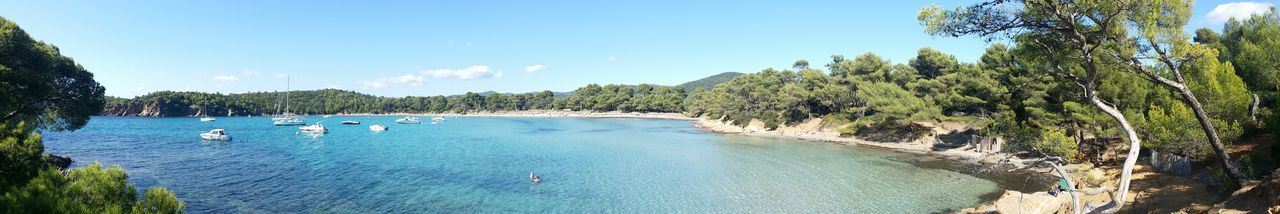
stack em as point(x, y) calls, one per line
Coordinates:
point(207, 119)
point(216, 135)
point(377, 127)
point(437, 119)
point(314, 129)
point(350, 122)
point(409, 120)
point(327, 116)
point(535, 178)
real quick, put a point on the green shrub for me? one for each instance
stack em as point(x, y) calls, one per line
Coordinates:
point(1057, 143)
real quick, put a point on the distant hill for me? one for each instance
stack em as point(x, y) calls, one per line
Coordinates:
point(556, 93)
point(711, 81)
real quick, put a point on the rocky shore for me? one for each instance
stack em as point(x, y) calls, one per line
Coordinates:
point(814, 130)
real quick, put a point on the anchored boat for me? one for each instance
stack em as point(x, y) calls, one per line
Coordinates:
point(216, 135)
point(409, 120)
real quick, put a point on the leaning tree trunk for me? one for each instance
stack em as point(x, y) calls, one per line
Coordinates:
point(1179, 84)
point(1233, 172)
point(1122, 191)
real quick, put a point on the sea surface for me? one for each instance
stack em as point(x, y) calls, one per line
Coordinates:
point(481, 164)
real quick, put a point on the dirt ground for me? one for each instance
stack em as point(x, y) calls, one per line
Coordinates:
point(1153, 192)
point(1150, 192)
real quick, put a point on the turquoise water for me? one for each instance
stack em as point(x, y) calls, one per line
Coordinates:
point(481, 164)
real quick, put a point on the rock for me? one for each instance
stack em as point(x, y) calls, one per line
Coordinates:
point(1018, 202)
point(62, 162)
point(1259, 197)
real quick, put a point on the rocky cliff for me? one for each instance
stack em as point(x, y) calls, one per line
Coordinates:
point(157, 109)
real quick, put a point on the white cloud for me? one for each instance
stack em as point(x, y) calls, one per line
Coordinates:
point(473, 72)
point(612, 58)
point(250, 73)
point(1237, 10)
point(226, 78)
point(407, 79)
point(534, 68)
point(281, 75)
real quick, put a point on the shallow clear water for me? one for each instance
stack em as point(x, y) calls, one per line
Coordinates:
point(481, 164)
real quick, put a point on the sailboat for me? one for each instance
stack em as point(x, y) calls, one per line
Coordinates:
point(286, 119)
point(204, 117)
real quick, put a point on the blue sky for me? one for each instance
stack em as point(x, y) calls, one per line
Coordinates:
point(401, 48)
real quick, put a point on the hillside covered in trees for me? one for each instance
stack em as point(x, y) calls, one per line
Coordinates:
point(639, 98)
point(711, 81)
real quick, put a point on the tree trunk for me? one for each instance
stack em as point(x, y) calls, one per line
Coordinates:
point(1075, 195)
point(1253, 107)
point(1233, 172)
point(1122, 191)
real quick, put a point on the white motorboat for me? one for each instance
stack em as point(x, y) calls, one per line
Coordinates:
point(216, 135)
point(207, 119)
point(377, 127)
point(437, 119)
point(327, 116)
point(314, 129)
point(409, 120)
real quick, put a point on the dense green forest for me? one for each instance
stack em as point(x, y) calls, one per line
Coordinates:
point(1128, 70)
point(638, 98)
point(44, 90)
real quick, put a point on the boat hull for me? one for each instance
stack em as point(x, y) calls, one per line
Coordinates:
point(215, 137)
point(288, 121)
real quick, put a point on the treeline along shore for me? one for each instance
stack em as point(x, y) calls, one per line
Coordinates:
point(634, 98)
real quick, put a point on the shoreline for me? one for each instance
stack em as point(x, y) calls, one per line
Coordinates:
point(545, 114)
point(812, 130)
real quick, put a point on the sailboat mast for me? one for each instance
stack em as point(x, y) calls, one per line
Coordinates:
point(286, 94)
